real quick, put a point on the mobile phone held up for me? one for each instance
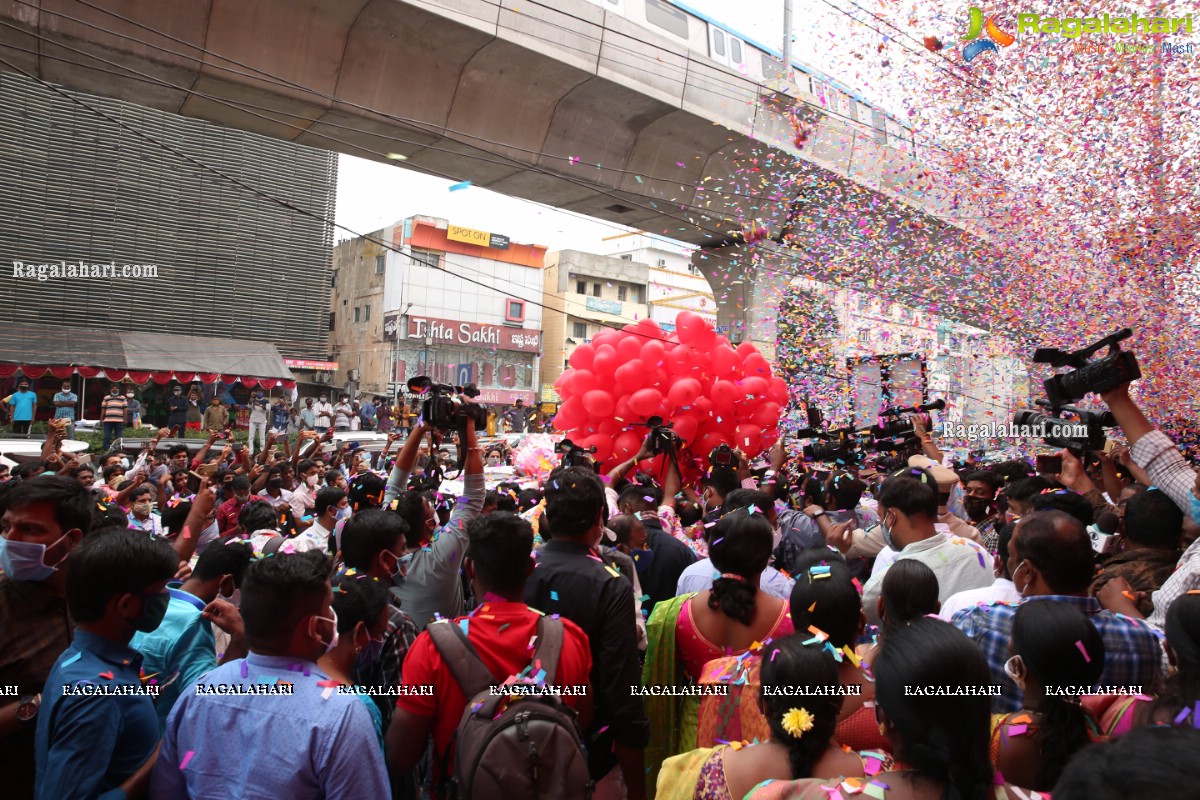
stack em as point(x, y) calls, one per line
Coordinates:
point(1049, 465)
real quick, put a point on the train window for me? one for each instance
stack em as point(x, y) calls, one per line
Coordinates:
point(718, 42)
point(666, 16)
point(735, 50)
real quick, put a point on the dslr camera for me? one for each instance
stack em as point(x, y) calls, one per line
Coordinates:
point(575, 456)
point(1117, 367)
point(723, 456)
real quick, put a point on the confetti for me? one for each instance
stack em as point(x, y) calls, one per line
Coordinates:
point(1083, 650)
point(187, 757)
point(458, 187)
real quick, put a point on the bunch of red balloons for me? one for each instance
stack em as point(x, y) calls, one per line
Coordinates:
point(712, 392)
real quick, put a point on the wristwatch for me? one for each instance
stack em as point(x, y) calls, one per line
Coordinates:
point(819, 514)
point(27, 707)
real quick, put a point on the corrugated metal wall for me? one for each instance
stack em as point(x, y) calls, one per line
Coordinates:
point(74, 186)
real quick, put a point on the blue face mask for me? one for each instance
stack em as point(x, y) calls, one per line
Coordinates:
point(887, 535)
point(26, 561)
point(367, 656)
point(1195, 508)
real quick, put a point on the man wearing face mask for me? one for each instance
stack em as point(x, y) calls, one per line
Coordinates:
point(227, 514)
point(64, 407)
point(304, 498)
point(92, 741)
point(112, 416)
point(375, 543)
point(42, 520)
point(133, 410)
point(21, 406)
point(908, 508)
point(979, 501)
point(322, 414)
point(329, 737)
point(140, 516)
point(216, 416)
point(331, 506)
point(177, 406)
point(183, 647)
point(1051, 560)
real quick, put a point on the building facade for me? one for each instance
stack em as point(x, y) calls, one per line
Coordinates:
point(585, 293)
point(673, 284)
point(455, 304)
point(227, 263)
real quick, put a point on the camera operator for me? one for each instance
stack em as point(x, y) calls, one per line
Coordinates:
point(1153, 451)
point(426, 579)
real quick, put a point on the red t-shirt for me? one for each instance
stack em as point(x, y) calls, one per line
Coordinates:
point(500, 634)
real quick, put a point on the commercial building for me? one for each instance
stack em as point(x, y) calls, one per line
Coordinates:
point(673, 284)
point(457, 304)
point(206, 282)
point(585, 293)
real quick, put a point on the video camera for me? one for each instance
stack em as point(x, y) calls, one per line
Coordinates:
point(1059, 432)
point(1117, 367)
point(663, 439)
point(446, 412)
point(575, 456)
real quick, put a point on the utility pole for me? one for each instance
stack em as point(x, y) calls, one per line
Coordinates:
point(787, 39)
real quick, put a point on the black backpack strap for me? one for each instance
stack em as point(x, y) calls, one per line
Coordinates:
point(273, 544)
point(464, 663)
point(549, 647)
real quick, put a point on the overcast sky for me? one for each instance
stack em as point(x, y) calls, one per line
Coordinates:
point(372, 195)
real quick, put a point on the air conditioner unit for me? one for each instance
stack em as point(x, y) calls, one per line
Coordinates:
point(352, 374)
point(662, 262)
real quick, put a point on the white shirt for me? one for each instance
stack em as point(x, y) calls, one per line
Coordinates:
point(284, 495)
point(700, 576)
point(323, 411)
point(887, 555)
point(296, 545)
point(319, 534)
point(151, 525)
point(343, 412)
point(302, 500)
point(959, 564)
point(1001, 591)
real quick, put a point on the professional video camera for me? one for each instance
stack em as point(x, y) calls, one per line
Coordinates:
point(447, 412)
point(575, 456)
point(1059, 432)
point(1117, 367)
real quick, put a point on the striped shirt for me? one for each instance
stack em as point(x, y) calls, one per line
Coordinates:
point(113, 409)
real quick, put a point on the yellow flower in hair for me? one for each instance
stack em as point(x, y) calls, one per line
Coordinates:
point(797, 722)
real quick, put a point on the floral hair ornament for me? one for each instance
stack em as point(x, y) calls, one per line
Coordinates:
point(797, 722)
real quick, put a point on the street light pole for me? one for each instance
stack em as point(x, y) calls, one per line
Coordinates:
point(787, 39)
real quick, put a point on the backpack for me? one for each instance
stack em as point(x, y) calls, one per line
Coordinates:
point(532, 749)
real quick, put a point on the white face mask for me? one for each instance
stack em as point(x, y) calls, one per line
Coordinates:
point(776, 537)
point(311, 480)
point(332, 643)
point(1010, 669)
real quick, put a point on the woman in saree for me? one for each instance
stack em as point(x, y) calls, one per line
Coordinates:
point(800, 700)
point(686, 632)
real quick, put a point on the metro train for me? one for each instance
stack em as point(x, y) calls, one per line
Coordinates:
point(755, 61)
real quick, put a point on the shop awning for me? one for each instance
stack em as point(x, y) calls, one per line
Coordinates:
point(140, 357)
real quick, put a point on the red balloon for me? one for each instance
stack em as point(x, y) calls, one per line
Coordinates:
point(747, 437)
point(560, 424)
point(599, 403)
point(725, 363)
point(583, 382)
point(629, 348)
point(679, 360)
point(605, 363)
point(755, 364)
point(581, 356)
point(622, 413)
point(626, 445)
point(689, 326)
point(778, 392)
point(756, 386)
point(708, 442)
point(766, 416)
point(744, 350)
point(707, 338)
point(686, 426)
point(684, 392)
point(571, 413)
point(564, 380)
point(605, 336)
point(630, 376)
point(603, 445)
point(653, 353)
point(645, 402)
point(724, 394)
point(649, 329)
point(610, 427)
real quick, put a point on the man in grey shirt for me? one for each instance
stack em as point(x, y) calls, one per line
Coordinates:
point(427, 582)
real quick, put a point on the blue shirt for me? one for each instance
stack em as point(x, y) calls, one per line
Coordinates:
point(23, 404)
point(304, 746)
point(279, 416)
point(183, 643)
point(86, 746)
point(1131, 650)
point(65, 412)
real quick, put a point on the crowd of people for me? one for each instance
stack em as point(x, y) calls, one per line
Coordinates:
point(311, 620)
